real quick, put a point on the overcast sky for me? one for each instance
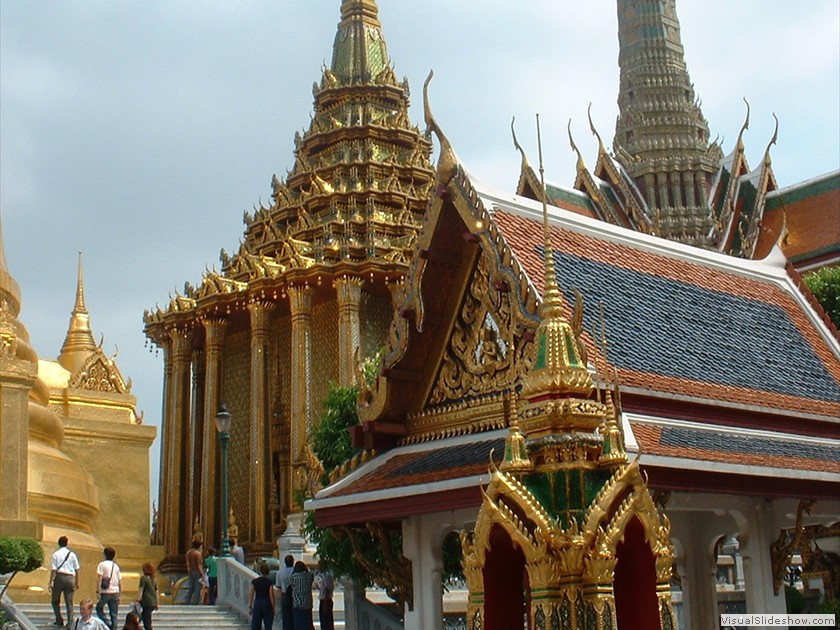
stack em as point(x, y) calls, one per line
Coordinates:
point(138, 131)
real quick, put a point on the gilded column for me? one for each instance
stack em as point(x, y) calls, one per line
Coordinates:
point(300, 302)
point(166, 518)
point(17, 376)
point(195, 509)
point(214, 343)
point(349, 292)
point(180, 532)
point(260, 436)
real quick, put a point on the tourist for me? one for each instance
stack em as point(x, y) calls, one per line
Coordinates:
point(148, 596)
point(302, 597)
point(326, 586)
point(132, 622)
point(86, 620)
point(237, 552)
point(195, 573)
point(261, 600)
point(212, 576)
point(64, 579)
point(283, 582)
point(109, 586)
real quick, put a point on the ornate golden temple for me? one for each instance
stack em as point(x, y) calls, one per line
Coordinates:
point(308, 293)
point(69, 428)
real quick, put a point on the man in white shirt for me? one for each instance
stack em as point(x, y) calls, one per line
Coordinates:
point(237, 552)
point(283, 583)
point(87, 621)
point(64, 578)
point(109, 585)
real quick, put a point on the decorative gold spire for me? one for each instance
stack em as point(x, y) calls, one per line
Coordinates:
point(78, 344)
point(9, 289)
point(558, 368)
point(359, 53)
point(558, 389)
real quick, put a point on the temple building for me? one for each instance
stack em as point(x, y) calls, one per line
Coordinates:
point(603, 461)
point(307, 295)
point(714, 374)
point(69, 428)
point(685, 406)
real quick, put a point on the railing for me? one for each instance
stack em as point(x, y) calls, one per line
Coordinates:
point(234, 584)
point(15, 615)
point(361, 614)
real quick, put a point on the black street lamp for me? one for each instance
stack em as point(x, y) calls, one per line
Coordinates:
point(223, 427)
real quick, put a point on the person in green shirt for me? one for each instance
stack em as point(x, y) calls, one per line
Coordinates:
point(212, 576)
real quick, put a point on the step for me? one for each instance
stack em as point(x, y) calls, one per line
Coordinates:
point(169, 617)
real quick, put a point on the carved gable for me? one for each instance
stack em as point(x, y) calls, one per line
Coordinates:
point(99, 373)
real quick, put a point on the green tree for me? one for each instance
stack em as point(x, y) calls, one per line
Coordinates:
point(19, 554)
point(367, 555)
point(825, 285)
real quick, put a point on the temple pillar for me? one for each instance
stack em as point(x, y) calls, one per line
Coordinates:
point(349, 291)
point(214, 342)
point(676, 189)
point(662, 182)
point(758, 532)
point(16, 379)
point(259, 527)
point(196, 440)
point(300, 302)
point(650, 190)
point(697, 533)
point(700, 186)
point(688, 186)
point(164, 515)
point(422, 546)
point(178, 535)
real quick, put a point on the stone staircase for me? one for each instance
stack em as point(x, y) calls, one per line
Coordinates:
point(170, 617)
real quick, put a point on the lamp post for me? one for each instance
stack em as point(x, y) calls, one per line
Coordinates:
point(223, 427)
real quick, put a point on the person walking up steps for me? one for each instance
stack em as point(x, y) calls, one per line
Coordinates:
point(261, 600)
point(148, 595)
point(64, 579)
point(109, 585)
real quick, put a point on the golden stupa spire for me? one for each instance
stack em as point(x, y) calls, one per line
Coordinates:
point(9, 289)
point(359, 52)
point(79, 343)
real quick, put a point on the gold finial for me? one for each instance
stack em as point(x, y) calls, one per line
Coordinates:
point(8, 286)
point(516, 453)
point(581, 165)
point(552, 305)
point(79, 342)
point(772, 142)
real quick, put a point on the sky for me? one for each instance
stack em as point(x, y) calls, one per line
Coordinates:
point(139, 131)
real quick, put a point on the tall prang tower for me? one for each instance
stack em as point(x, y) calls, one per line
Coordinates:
point(305, 298)
point(661, 136)
point(665, 176)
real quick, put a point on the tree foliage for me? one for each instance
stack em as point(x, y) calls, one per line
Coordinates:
point(19, 554)
point(825, 285)
point(331, 438)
